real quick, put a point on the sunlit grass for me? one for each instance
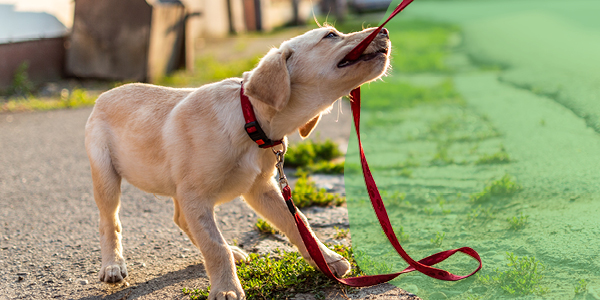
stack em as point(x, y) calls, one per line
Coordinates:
point(210, 69)
point(74, 99)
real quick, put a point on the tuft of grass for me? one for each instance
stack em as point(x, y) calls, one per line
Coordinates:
point(480, 213)
point(323, 167)
point(504, 186)
point(407, 173)
point(500, 157)
point(523, 276)
point(21, 86)
point(401, 235)
point(439, 238)
point(308, 153)
point(517, 223)
point(73, 99)
point(264, 226)
point(340, 233)
point(581, 287)
point(441, 157)
point(196, 294)
point(396, 199)
point(306, 194)
point(442, 202)
point(266, 277)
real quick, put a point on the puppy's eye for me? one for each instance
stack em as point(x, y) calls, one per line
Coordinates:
point(330, 35)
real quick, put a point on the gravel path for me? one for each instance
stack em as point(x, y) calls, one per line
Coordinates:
point(49, 245)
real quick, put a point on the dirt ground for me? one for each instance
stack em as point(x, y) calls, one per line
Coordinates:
point(49, 245)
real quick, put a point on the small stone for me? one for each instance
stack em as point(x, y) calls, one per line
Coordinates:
point(83, 282)
point(22, 273)
point(20, 278)
point(143, 265)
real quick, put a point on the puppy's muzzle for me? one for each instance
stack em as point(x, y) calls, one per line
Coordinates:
point(382, 49)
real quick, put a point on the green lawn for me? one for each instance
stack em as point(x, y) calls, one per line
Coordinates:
point(484, 135)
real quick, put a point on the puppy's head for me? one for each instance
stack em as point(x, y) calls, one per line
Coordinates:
point(308, 73)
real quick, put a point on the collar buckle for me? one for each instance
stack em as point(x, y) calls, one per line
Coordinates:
point(258, 135)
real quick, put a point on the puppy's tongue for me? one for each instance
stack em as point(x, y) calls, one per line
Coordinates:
point(360, 48)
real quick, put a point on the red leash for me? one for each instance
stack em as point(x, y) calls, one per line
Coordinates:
point(424, 265)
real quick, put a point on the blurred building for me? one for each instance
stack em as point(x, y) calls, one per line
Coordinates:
point(35, 38)
point(109, 41)
point(132, 40)
point(126, 40)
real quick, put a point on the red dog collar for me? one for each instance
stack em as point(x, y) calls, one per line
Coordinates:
point(252, 127)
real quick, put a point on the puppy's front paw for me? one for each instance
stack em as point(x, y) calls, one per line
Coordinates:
point(114, 272)
point(338, 265)
point(239, 255)
point(226, 294)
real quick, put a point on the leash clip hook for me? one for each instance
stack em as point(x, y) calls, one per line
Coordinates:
point(279, 154)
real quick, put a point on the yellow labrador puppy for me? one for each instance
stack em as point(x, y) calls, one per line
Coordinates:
point(190, 144)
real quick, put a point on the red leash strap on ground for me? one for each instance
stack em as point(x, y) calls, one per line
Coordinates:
point(361, 281)
point(424, 265)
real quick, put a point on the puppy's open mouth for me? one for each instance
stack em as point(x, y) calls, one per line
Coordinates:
point(363, 57)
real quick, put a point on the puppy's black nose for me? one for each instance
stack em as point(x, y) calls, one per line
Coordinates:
point(384, 32)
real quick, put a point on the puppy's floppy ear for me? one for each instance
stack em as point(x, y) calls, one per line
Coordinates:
point(307, 128)
point(269, 82)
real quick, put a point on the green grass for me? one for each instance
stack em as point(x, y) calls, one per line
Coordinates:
point(370, 265)
point(441, 157)
point(500, 157)
point(74, 99)
point(439, 239)
point(306, 194)
point(209, 69)
point(419, 45)
point(479, 213)
point(21, 86)
point(340, 233)
point(400, 234)
point(504, 186)
point(581, 287)
point(266, 277)
point(323, 167)
point(397, 94)
point(517, 222)
point(396, 199)
point(264, 226)
point(308, 152)
point(523, 277)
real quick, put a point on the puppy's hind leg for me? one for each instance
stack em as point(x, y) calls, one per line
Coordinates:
point(107, 192)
